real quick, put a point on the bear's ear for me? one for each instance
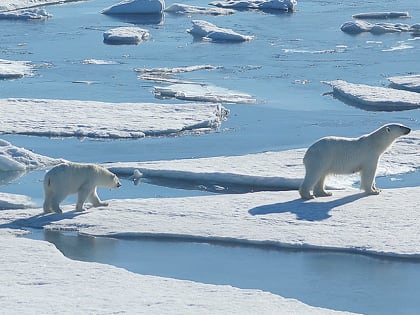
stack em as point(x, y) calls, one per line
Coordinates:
point(388, 129)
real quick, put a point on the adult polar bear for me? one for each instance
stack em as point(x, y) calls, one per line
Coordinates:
point(71, 178)
point(337, 155)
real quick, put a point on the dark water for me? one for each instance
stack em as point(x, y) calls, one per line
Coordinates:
point(340, 281)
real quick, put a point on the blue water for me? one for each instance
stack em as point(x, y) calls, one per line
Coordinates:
point(338, 281)
point(283, 68)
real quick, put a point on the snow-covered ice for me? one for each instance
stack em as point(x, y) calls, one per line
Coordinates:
point(203, 93)
point(98, 62)
point(11, 69)
point(281, 170)
point(136, 7)
point(406, 82)
point(279, 5)
point(25, 14)
point(39, 279)
point(10, 5)
point(167, 74)
point(381, 15)
point(209, 31)
point(12, 201)
point(126, 35)
point(180, 8)
point(13, 158)
point(74, 118)
point(358, 26)
point(374, 98)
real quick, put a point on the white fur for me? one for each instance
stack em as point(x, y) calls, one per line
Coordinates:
point(336, 155)
point(71, 178)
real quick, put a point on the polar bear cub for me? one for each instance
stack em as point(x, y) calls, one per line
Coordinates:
point(71, 178)
point(337, 155)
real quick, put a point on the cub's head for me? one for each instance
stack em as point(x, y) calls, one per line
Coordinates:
point(112, 180)
point(395, 130)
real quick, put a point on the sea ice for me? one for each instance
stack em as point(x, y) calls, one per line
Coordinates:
point(12, 201)
point(13, 158)
point(73, 118)
point(126, 35)
point(180, 8)
point(41, 280)
point(165, 74)
point(203, 93)
point(10, 69)
point(356, 27)
point(280, 5)
point(98, 62)
point(348, 220)
point(209, 31)
point(136, 7)
point(280, 170)
point(26, 14)
point(374, 98)
point(407, 82)
point(381, 15)
point(11, 5)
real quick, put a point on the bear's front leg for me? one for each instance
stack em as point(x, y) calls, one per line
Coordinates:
point(81, 198)
point(94, 199)
point(367, 180)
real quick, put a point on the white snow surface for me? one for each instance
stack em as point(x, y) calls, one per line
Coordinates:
point(10, 5)
point(281, 170)
point(281, 5)
point(358, 26)
point(406, 82)
point(25, 14)
point(203, 93)
point(381, 15)
point(374, 98)
point(180, 8)
point(75, 118)
point(209, 31)
point(11, 69)
point(136, 7)
point(13, 158)
point(12, 201)
point(40, 280)
point(126, 35)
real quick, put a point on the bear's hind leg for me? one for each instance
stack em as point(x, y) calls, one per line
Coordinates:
point(311, 178)
point(55, 204)
point(319, 189)
point(94, 199)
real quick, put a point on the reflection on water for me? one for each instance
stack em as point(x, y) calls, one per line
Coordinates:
point(340, 281)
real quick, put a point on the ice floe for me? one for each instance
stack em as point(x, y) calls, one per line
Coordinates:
point(209, 31)
point(13, 158)
point(12, 201)
point(179, 8)
point(74, 118)
point(374, 98)
point(10, 69)
point(381, 15)
point(136, 7)
point(166, 74)
point(276, 170)
point(39, 279)
point(25, 14)
point(203, 93)
point(278, 5)
point(384, 224)
point(126, 35)
point(356, 27)
point(10, 5)
point(407, 82)
point(98, 62)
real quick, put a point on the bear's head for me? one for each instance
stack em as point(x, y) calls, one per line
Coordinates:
point(111, 180)
point(396, 130)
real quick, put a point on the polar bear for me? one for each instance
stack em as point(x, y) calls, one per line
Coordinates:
point(337, 155)
point(71, 178)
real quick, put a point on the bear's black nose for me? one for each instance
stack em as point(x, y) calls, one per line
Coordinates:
point(119, 185)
